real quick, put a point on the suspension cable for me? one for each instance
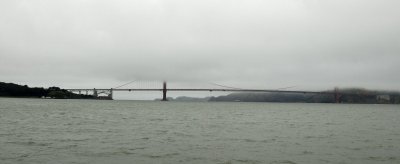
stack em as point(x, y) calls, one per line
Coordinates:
point(224, 86)
point(125, 84)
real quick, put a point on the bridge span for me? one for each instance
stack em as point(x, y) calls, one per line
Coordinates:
point(110, 91)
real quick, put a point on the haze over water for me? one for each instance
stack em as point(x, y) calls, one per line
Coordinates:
point(119, 132)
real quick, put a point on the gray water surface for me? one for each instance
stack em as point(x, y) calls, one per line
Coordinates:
point(121, 132)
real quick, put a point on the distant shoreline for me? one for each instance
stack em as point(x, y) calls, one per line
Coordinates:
point(345, 96)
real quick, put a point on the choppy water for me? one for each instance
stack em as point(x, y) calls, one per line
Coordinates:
point(122, 132)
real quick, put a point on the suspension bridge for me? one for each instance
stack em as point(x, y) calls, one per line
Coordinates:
point(96, 92)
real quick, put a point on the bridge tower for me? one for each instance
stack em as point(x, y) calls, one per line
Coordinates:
point(111, 94)
point(164, 91)
point(337, 95)
point(95, 92)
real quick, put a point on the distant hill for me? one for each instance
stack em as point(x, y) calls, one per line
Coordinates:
point(350, 95)
point(193, 99)
point(275, 97)
point(347, 95)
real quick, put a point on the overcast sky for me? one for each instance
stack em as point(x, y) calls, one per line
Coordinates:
point(310, 44)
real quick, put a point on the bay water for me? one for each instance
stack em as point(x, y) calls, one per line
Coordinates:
point(49, 131)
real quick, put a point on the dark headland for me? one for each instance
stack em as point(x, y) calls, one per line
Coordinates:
point(24, 91)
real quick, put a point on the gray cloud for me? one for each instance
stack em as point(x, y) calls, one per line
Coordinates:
point(312, 44)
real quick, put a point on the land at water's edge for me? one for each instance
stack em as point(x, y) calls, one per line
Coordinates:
point(348, 96)
point(24, 91)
